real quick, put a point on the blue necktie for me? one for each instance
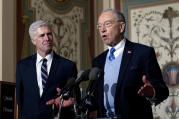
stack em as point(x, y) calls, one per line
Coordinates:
point(44, 73)
point(111, 55)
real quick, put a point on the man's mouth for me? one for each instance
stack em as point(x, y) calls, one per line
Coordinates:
point(48, 44)
point(104, 36)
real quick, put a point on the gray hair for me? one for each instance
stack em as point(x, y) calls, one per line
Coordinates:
point(119, 16)
point(35, 25)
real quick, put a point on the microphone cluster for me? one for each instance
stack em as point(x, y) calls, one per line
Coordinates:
point(90, 74)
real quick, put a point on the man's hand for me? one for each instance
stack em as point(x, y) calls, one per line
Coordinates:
point(147, 89)
point(58, 100)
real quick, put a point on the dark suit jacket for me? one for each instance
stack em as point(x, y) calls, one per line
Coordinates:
point(31, 105)
point(137, 60)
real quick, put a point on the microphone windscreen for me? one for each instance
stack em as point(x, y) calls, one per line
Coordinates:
point(94, 74)
point(69, 83)
point(85, 75)
point(80, 73)
point(82, 76)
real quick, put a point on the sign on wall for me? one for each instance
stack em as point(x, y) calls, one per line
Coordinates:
point(7, 100)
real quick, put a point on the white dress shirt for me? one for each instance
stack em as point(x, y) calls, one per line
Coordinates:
point(39, 61)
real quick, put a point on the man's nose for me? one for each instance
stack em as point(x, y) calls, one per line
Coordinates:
point(46, 37)
point(103, 29)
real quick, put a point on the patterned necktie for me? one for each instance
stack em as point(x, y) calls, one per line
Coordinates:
point(44, 73)
point(111, 55)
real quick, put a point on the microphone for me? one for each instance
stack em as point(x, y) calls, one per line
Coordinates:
point(82, 76)
point(70, 85)
point(94, 75)
point(72, 82)
point(90, 74)
point(88, 100)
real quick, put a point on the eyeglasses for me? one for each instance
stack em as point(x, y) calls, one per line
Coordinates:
point(106, 24)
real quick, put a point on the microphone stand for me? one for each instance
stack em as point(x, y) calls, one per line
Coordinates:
point(66, 96)
point(87, 100)
point(85, 105)
point(60, 107)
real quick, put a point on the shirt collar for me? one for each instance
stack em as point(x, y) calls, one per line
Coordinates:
point(119, 45)
point(48, 57)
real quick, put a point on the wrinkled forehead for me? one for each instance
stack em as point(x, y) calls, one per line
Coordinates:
point(105, 16)
point(43, 29)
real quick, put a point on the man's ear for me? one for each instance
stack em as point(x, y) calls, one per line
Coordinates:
point(33, 42)
point(122, 26)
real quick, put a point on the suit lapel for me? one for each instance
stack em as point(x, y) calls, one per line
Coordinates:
point(53, 68)
point(127, 55)
point(128, 51)
point(100, 63)
point(103, 60)
point(52, 72)
point(33, 75)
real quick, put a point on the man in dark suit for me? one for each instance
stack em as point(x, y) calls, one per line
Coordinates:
point(132, 79)
point(33, 91)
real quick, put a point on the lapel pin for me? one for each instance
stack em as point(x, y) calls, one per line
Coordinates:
point(129, 52)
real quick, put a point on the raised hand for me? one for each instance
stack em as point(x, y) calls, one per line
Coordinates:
point(147, 89)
